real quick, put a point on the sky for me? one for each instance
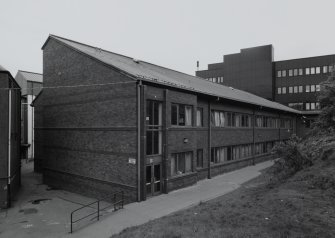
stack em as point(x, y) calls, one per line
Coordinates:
point(170, 33)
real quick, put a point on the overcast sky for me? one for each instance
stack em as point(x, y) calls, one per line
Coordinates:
point(171, 33)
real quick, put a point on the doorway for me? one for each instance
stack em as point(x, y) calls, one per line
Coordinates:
point(153, 179)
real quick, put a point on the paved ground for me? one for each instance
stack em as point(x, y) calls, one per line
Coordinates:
point(50, 218)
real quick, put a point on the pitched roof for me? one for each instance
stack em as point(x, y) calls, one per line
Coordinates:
point(160, 75)
point(30, 76)
point(3, 69)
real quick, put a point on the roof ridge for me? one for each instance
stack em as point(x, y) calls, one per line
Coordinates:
point(95, 47)
point(124, 55)
point(29, 72)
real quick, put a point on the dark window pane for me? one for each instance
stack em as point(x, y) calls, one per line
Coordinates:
point(181, 115)
point(200, 158)
point(149, 112)
point(174, 116)
point(149, 143)
point(148, 174)
point(155, 142)
point(181, 163)
point(156, 113)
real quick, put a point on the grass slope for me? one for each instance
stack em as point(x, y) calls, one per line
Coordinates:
point(301, 206)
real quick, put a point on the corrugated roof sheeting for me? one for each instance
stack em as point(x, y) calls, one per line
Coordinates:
point(157, 74)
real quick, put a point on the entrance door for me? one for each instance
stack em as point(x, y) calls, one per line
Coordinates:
point(153, 179)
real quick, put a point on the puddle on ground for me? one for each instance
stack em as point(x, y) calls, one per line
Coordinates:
point(37, 201)
point(28, 211)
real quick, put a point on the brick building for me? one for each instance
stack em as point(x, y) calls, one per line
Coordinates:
point(106, 122)
point(10, 163)
point(294, 83)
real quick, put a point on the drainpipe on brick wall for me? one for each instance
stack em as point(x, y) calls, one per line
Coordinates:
point(9, 144)
point(209, 139)
point(253, 136)
point(139, 85)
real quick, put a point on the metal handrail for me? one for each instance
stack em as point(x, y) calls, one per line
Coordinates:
point(98, 209)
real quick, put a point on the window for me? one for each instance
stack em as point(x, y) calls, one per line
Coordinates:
point(263, 147)
point(283, 90)
point(325, 69)
point(181, 115)
point(200, 158)
point(245, 120)
point(308, 106)
point(312, 70)
point(283, 73)
point(330, 68)
point(290, 72)
point(218, 118)
point(307, 71)
point(295, 72)
point(301, 71)
point(154, 127)
point(278, 73)
point(312, 88)
point(312, 105)
point(298, 106)
point(279, 90)
point(181, 163)
point(317, 106)
point(308, 88)
point(218, 154)
point(200, 117)
point(317, 70)
point(295, 89)
point(317, 87)
point(290, 89)
point(301, 89)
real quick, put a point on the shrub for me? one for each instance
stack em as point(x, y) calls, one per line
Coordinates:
point(290, 159)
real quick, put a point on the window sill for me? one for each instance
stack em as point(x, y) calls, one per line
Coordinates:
point(180, 176)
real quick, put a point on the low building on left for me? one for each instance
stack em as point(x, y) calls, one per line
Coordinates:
point(10, 117)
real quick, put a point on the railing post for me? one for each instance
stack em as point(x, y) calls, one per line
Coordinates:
point(98, 209)
point(114, 201)
point(122, 198)
point(71, 222)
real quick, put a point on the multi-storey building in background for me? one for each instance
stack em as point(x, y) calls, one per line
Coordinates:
point(294, 83)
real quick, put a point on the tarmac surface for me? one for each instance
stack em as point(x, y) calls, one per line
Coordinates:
point(44, 212)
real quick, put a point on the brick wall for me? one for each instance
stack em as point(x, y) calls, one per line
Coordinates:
point(85, 135)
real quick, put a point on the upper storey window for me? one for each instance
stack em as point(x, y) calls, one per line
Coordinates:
point(290, 72)
point(317, 70)
point(279, 74)
point(312, 70)
point(325, 69)
point(295, 72)
point(181, 115)
point(307, 71)
point(283, 73)
point(301, 71)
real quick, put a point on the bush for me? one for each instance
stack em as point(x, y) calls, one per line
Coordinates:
point(290, 159)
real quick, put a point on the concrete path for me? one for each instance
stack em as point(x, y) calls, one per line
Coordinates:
point(140, 213)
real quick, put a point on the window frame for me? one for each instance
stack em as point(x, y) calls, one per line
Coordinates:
point(179, 113)
point(178, 156)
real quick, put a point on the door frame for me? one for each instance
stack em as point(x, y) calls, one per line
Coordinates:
point(153, 181)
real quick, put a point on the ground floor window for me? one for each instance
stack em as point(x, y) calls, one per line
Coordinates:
point(181, 163)
point(200, 158)
point(218, 154)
